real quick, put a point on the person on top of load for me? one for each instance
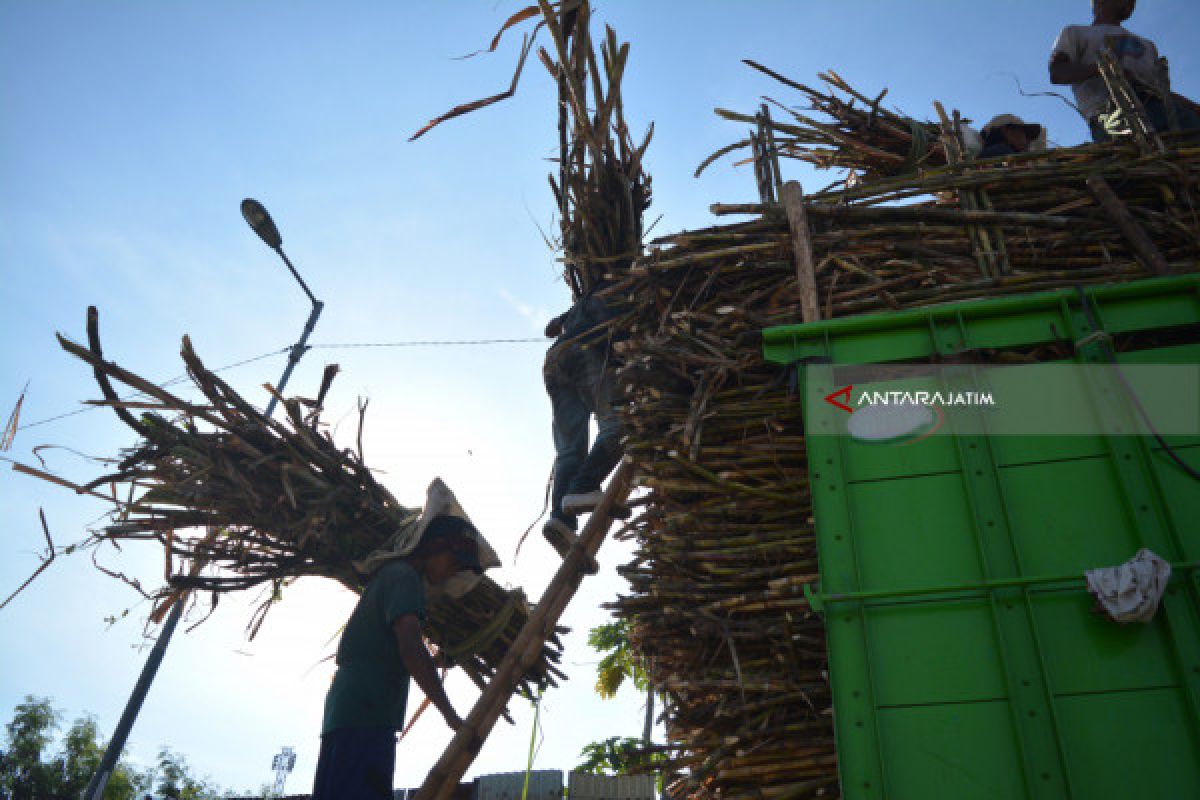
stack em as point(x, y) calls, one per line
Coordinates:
point(581, 381)
point(1008, 134)
point(380, 648)
point(1074, 61)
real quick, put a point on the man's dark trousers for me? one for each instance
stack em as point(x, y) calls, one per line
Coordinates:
point(581, 383)
point(356, 764)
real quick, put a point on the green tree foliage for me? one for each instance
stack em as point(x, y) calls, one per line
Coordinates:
point(82, 750)
point(30, 771)
point(81, 755)
point(172, 778)
point(618, 661)
point(617, 755)
point(23, 774)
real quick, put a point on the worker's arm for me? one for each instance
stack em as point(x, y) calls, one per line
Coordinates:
point(1064, 71)
point(420, 665)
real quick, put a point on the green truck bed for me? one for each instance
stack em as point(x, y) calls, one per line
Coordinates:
point(966, 660)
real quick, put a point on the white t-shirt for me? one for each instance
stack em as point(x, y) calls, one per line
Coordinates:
point(1083, 44)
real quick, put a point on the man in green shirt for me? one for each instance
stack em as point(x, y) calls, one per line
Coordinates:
point(381, 647)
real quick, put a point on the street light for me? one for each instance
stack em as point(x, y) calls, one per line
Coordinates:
point(258, 218)
point(261, 223)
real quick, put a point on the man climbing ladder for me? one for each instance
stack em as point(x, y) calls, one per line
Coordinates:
point(581, 380)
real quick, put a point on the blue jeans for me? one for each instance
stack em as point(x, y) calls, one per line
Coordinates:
point(581, 383)
point(356, 764)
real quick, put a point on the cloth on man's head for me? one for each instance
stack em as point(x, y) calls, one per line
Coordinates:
point(439, 501)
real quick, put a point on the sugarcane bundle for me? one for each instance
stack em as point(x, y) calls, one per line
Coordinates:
point(842, 128)
point(238, 500)
point(602, 189)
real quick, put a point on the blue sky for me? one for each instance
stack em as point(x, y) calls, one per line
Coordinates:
point(130, 131)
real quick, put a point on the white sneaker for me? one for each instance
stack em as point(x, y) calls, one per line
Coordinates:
point(582, 503)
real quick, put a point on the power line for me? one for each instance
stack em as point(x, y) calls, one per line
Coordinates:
point(331, 346)
point(428, 343)
point(177, 379)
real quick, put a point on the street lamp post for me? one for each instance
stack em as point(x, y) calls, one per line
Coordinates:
point(258, 218)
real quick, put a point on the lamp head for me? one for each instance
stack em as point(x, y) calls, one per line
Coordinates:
point(258, 219)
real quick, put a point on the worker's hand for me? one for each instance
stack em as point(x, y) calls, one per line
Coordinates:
point(555, 327)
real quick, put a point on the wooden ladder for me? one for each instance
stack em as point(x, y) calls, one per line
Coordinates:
point(458, 756)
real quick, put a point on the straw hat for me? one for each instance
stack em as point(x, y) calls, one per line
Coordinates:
point(1032, 130)
point(439, 501)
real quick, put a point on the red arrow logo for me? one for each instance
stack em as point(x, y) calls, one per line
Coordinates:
point(843, 392)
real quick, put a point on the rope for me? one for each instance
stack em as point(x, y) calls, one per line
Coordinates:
point(487, 634)
point(1101, 335)
point(1092, 338)
point(537, 713)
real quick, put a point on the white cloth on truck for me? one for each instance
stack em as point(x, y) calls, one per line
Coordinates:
point(1130, 592)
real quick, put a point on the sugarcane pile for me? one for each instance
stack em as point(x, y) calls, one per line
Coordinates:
point(725, 538)
point(840, 128)
point(1044, 225)
point(238, 500)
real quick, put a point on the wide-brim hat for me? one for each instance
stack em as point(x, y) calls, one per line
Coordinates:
point(1032, 129)
point(439, 502)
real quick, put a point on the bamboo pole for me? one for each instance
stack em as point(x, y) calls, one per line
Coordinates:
point(793, 203)
point(926, 214)
point(1118, 212)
